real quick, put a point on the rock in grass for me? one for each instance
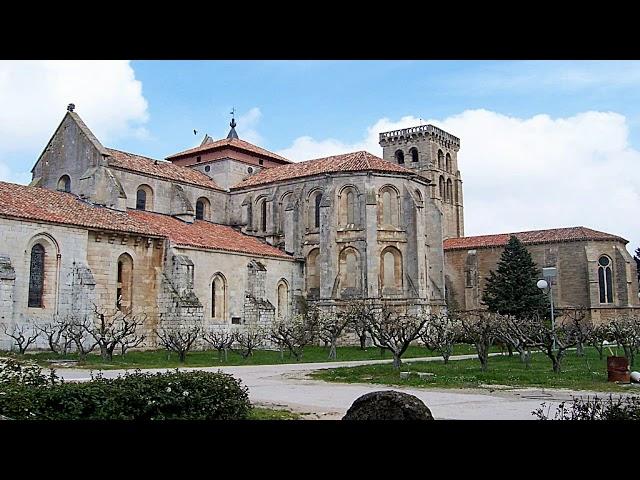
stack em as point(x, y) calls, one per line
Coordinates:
point(388, 405)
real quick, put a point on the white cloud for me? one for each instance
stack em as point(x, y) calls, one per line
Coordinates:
point(247, 124)
point(34, 96)
point(532, 173)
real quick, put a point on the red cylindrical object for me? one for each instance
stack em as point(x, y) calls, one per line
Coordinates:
point(618, 369)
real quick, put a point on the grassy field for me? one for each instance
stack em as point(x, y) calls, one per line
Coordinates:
point(209, 358)
point(261, 413)
point(579, 373)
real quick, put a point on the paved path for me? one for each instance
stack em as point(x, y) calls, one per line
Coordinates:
point(288, 386)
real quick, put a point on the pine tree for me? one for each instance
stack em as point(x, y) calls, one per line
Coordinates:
point(512, 289)
point(636, 257)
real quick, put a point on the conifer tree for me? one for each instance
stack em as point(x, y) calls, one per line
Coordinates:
point(512, 289)
point(636, 257)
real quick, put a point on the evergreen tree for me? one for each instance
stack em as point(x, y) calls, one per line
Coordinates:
point(512, 289)
point(636, 257)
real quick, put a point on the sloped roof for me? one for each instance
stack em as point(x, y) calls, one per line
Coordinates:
point(159, 168)
point(348, 162)
point(569, 234)
point(202, 234)
point(233, 143)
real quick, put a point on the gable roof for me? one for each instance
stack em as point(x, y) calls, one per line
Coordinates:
point(554, 235)
point(203, 234)
point(159, 168)
point(231, 143)
point(348, 162)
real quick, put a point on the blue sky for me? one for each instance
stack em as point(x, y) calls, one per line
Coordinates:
point(544, 143)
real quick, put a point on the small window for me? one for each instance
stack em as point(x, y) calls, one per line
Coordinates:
point(235, 320)
point(199, 210)
point(414, 154)
point(198, 158)
point(249, 170)
point(261, 162)
point(141, 200)
point(207, 168)
point(64, 184)
point(399, 156)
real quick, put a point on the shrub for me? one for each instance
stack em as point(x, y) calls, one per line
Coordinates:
point(192, 395)
point(622, 408)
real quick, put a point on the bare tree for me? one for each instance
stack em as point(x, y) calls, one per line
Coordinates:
point(295, 332)
point(515, 331)
point(480, 327)
point(395, 332)
point(249, 339)
point(131, 341)
point(109, 328)
point(221, 339)
point(552, 340)
point(358, 313)
point(57, 335)
point(625, 331)
point(330, 327)
point(599, 334)
point(77, 330)
point(440, 334)
point(582, 329)
point(23, 335)
point(178, 338)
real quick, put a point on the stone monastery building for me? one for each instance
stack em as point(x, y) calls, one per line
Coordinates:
point(230, 233)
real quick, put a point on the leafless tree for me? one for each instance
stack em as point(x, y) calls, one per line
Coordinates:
point(480, 327)
point(178, 338)
point(515, 331)
point(57, 335)
point(393, 331)
point(221, 339)
point(599, 334)
point(330, 327)
point(23, 335)
point(358, 314)
point(249, 339)
point(553, 341)
point(625, 331)
point(440, 334)
point(295, 332)
point(109, 328)
point(131, 341)
point(582, 328)
point(77, 330)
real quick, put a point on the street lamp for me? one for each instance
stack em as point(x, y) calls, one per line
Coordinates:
point(549, 274)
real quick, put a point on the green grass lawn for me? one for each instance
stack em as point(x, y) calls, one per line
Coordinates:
point(580, 373)
point(261, 413)
point(209, 358)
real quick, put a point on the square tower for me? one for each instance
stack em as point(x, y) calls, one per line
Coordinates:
point(432, 153)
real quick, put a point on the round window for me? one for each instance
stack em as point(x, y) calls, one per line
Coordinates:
point(207, 168)
point(250, 170)
point(604, 261)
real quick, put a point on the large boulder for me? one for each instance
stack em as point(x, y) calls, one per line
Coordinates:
point(388, 405)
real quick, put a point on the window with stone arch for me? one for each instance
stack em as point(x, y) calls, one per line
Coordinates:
point(449, 191)
point(415, 157)
point(314, 209)
point(419, 195)
point(282, 292)
point(36, 276)
point(399, 156)
point(349, 269)
point(144, 198)
point(124, 283)
point(440, 159)
point(448, 164)
point(389, 206)
point(391, 271)
point(284, 201)
point(203, 209)
point(64, 184)
point(348, 212)
point(218, 297)
point(443, 187)
point(605, 282)
point(313, 273)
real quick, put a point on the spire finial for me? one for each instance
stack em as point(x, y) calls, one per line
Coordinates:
point(70, 107)
point(232, 124)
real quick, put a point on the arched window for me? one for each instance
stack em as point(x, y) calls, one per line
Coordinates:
point(389, 207)
point(218, 297)
point(36, 276)
point(314, 209)
point(286, 198)
point(440, 159)
point(124, 283)
point(351, 208)
point(457, 198)
point(263, 215)
point(419, 195)
point(391, 271)
point(605, 282)
point(449, 191)
point(64, 184)
point(442, 189)
point(399, 156)
point(448, 162)
point(144, 198)
point(348, 212)
point(203, 209)
point(313, 273)
point(349, 269)
point(283, 299)
point(414, 154)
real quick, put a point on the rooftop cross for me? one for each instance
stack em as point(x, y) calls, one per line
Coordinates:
point(232, 132)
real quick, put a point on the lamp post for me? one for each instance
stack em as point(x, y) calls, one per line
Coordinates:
point(549, 274)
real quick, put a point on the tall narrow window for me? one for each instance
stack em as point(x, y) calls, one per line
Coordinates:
point(124, 283)
point(286, 198)
point(141, 200)
point(399, 156)
point(440, 159)
point(351, 212)
point(218, 297)
point(391, 271)
point(414, 154)
point(283, 299)
point(313, 274)
point(36, 276)
point(203, 207)
point(64, 184)
point(442, 189)
point(386, 207)
point(349, 270)
point(604, 279)
point(263, 216)
point(314, 210)
point(449, 191)
point(199, 210)
point(448, 162)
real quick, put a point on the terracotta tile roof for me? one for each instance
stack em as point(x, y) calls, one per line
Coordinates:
point(234, 143)
point(348, 162)
point(570, 234)
point(159, 168)
point(205, 235)
point(39, 204)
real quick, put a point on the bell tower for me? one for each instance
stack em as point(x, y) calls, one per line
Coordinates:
point(433, 153)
